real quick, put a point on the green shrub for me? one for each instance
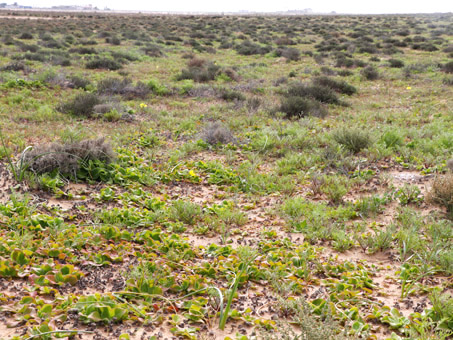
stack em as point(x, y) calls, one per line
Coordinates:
point(336, 85)
point(448, 67)
point(153, 51)
point(200, 73)
point(391, 139)
point(249, 48)
point(298, 107)
point(103, 63)
point(370, 73)
point(352, 139)
point(317, 92)
point(157, 88)
point(396, 63)
point(26, 35)
point(185, 211)
point(289, 53)
point(77, 82)
point(81, 105)
point(231, 95)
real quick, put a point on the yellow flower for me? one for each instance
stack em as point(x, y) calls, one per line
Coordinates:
point(143, 105)
point(192, 173)
point(408, 88)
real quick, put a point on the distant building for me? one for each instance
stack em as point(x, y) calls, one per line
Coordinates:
point(74, 8)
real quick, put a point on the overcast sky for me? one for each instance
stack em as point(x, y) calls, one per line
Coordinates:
point(339, 6)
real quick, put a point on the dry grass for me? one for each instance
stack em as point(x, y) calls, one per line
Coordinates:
point(66, 158)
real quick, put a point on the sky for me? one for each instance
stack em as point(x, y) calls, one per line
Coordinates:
point(322, 6)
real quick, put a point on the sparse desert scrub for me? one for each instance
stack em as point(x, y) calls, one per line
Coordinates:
point(213, 202)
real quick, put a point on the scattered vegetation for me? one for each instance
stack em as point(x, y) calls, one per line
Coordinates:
point(260, 176)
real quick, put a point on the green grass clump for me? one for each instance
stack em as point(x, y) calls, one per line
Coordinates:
point(352, 139)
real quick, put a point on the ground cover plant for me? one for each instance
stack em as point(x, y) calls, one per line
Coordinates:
point(225, 177)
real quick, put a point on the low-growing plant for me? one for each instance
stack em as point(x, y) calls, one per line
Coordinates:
point(81, 105)
point(336, 85)
point(217, 133)
point(103, 63)
point(67, 158)
point(309, 325)
point(185, 211)
point(396, 63)
point(297, 107)
point(352, 139)
point(199, 71)
point(315, 91)
point(392, 139)
point(442, 192)
point(370, 73)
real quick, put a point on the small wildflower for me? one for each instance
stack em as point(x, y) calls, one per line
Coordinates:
point(408, 88)
point(143, 105)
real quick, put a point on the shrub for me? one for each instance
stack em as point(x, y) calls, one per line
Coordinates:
point(208, 71)
point(327, 71)
point(185, 211)
point(338, 86)
point(26, 36)
point(288, 53)
point(158, 89)
point(318, 92)
point(153, 51)
point(104, 108)
point(29, 48)
point(197, 62)
point(217, 133)
point(298, 107)
point(249, 48)
point(83, 50)
point(391, 139)
point(81, 105)
point(352, 139)
point(103, 63)
point(14, 66)
point(344, 62)
point(396, 63)
point(425, 47)
point(370, 73)
point(113, 40)
point(442, 192)
point(448, 67)
point(124, 87)
point(113, 86)
point(231, 95)
point(67, 158)
point(305, 324)
point(345, 73)
point(76, 82)
point(232, 74)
